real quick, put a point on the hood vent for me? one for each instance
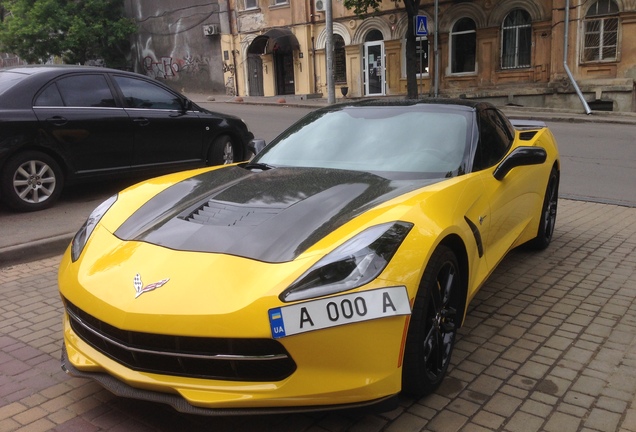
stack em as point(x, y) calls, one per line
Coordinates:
point(220, 213)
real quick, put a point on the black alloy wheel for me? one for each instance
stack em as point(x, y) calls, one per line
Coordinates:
point(433, 325)
point(548, 213)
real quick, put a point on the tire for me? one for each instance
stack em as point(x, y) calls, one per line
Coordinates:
point(548, 213)
point(433, 325)
point(31, 181)
point(222, 151)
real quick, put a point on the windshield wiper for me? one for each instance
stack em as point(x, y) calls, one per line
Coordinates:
point(258, 165)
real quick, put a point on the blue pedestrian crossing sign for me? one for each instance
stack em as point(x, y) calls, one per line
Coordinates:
point(420, 26)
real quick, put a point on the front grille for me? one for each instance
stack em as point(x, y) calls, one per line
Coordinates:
point(231, 359)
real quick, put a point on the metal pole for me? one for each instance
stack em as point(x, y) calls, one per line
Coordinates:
point(421, 72)
point(331, 87)
point(436, 48)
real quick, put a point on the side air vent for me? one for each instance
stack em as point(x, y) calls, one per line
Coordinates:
point(527, 135)
point(222, 213)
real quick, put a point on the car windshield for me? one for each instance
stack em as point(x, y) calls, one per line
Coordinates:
point(429, 142)
point(8, 79)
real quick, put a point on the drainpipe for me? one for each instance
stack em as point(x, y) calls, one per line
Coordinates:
point(230, 22)
point(313, 52)
point(588, 111)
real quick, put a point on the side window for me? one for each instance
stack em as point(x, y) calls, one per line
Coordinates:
point(142, 94)
point(49, 97)
point(78, 91)
point(495, 138)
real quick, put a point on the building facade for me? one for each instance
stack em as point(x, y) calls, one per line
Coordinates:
point(177, 41)
point(506, 51)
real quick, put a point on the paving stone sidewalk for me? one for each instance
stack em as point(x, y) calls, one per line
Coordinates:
point(549, 345)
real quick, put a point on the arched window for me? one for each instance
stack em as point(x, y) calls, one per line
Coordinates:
point(516, 40)
point(463, 46)
point(601, 32)
point(374, 35)
point(339, 60)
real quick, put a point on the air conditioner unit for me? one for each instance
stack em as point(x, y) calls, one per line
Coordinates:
point(210, 29)
point(320, 5)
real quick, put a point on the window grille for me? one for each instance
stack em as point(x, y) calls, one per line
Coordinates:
point(600, 32)
point(516, 40)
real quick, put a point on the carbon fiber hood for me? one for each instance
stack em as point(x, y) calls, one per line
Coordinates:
point(270, 216)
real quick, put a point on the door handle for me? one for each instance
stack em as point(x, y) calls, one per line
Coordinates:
point(57, 121)
point(142, 121)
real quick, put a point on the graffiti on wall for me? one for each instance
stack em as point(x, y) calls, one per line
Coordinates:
point(167, 67)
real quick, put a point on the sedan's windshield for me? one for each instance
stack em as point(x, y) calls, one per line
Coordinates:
point(407, 139)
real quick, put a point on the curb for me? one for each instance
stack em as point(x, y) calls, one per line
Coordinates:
point(35, 250)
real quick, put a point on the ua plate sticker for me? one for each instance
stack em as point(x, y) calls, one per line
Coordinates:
point(335, 311)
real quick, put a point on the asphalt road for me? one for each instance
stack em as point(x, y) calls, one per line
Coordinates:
point(598, 161)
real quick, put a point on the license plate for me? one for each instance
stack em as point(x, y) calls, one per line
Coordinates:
point(339, 310)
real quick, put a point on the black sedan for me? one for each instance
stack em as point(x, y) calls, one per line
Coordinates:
point(68, 124)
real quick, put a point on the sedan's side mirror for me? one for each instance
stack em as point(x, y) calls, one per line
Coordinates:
point(256, 146)
point(519, 157)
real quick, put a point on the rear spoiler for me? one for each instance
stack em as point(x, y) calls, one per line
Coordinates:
point(528, 124)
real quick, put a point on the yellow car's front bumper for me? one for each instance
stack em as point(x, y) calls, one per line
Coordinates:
point(344, 366)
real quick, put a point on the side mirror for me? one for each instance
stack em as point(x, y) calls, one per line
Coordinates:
point(256, 146)
point(519, 157)
point(187, 105)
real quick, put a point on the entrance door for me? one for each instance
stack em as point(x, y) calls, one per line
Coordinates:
point(374, 70)
point(255, 74)
point(284, 67)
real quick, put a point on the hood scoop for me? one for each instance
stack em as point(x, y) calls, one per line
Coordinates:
point(221, 213)
point(270, 216)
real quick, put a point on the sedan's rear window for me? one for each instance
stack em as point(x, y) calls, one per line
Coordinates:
point(78, 91)
point(8, 79)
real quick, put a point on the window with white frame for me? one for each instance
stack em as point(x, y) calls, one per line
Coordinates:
point(421, 55)
point(278, 2)
point(463, 46)
point(516, 40)
point(600, 32)
point(250, 4)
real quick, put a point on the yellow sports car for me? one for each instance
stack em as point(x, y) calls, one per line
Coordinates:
point(332, 270)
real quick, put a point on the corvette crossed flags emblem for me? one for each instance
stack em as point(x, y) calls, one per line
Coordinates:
point(140, 288)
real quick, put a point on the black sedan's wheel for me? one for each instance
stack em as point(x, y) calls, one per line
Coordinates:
point(31, 181)
point(222, 151)
point(433, 325)
point(548, 213)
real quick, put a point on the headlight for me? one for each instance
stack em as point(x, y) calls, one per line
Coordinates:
point(80, 239)
point(354, 263)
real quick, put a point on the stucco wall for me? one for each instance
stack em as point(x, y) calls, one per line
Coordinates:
point(171, 46)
